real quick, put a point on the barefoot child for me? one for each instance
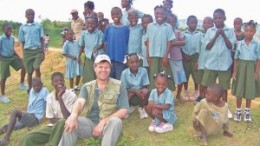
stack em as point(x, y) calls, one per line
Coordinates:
point(71, 51)
point(161, 105)
point(8, 57)
point(246, 71)
point(33, 115)
point(190, 57)
point(176, 63)
point(210, 115)
point(136, 81)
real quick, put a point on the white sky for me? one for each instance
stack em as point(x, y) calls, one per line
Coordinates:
point(60, 9)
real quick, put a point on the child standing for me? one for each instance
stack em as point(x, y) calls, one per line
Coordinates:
point(159, 38)
point(33, 115)
point(190, 57)
point(127, 5)
point(136, 81)
point(176, 56)
point(246, 71)
point(207, 23)
point(31, 36)
point(46, 42)
point(73, 68)
point(90, 43)
point(210, 115)
point(219, 41)
point(136, 31)
point(116, 43)
point(146, 19)
point(161, 105)
point(8, 57)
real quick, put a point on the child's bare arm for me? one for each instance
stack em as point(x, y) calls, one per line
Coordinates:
point(162, 107)
point(257, 69)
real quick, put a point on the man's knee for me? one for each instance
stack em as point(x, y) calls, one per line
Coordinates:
point(115, 122)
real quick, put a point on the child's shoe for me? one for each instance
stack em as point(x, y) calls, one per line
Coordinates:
point(247, 117)
point(186, 95)
point(145, 115)
point(140, 111)
point(238, 115)
point(23, 86)
point(152, 126)
point(164, 127)
point(4, 99)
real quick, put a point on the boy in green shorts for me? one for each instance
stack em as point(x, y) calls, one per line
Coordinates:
point(219, 41)
point(31, 36)
point(8, 57)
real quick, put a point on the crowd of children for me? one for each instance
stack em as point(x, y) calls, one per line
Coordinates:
point(150, 58)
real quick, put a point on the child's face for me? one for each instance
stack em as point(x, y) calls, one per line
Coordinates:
point(91, 25)
point(249, 32)
point(8, 30)
point(69, 36)
point(100, 15)
point(160, 84)
point(133, 19)
point(133, 63)
point(30, 16)
point(37, 86)
point(145, 22)
point(219, 20)
point(192, 24)
point(167, 5)
point(207, 23)
point(116, 15)
point(237, 24)
point(57, 82)
point(160, 15)
point(103, 25)
point(124, 3)
point(210, 95)
point(171, 21)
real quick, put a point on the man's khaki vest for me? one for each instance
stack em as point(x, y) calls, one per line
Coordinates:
point(107, 101)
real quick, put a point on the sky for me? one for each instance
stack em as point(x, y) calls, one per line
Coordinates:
point(60, 9)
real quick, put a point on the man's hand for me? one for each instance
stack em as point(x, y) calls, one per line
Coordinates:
point(71, 123)
point(98, 131)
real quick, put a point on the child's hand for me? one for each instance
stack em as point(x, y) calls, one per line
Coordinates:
point(234, 76)
point(256, 75)
point(61, 91)
point(186, 57)
point(196, 66)
point(165, 61)
point(228, 134)
point(73, 57)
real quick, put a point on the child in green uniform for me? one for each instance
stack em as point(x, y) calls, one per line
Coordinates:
point(31, 36)
point(246, 71)
point(8, 57)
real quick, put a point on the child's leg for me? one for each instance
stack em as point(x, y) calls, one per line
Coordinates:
point(77, 80)
point(14, 115)
point(248, 103)
point(149, 110)
point(71, 83)
point(179, 88)
point(202, 132)
point(22, 75)
point(237, 116)
point(3, 86)
point(29, 79)
point(159, 115)
point(38, 72)
point(224, 97)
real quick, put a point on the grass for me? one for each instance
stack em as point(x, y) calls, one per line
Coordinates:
point(135, 131)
